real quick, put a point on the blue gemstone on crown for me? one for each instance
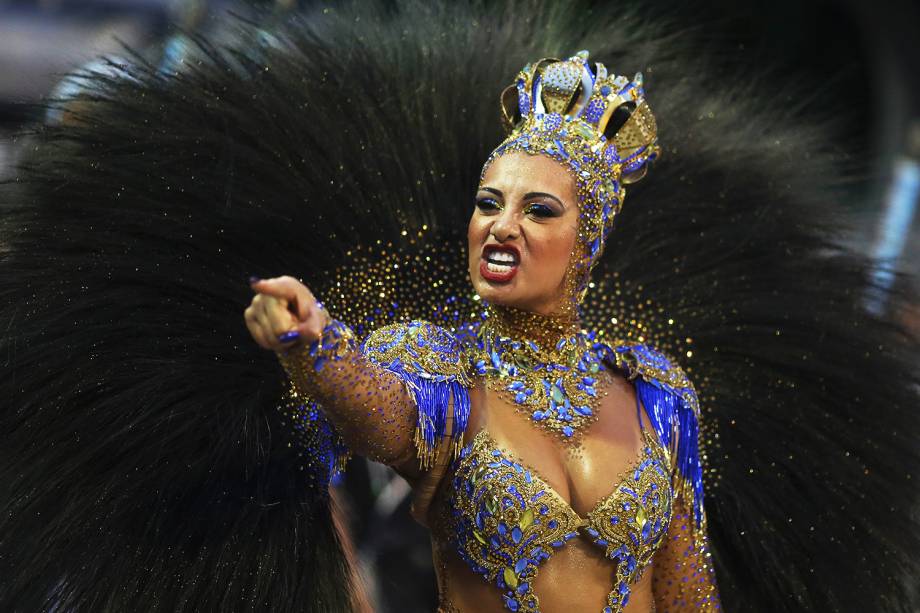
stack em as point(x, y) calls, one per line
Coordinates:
point(595, 110)
point(552, 121)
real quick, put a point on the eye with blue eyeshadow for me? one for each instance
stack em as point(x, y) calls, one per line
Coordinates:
point(538, 209)
point(487, 205)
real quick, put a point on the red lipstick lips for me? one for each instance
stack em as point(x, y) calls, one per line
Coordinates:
point(499, 263)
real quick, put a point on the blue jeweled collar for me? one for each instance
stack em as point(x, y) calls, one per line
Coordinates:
point(547, 366)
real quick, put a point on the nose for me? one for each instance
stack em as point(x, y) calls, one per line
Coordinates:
point(506, 226)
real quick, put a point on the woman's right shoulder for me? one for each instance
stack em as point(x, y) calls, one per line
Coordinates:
point(434, 363)
point(419, 347)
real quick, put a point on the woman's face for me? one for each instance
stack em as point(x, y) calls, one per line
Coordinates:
point(522, 232)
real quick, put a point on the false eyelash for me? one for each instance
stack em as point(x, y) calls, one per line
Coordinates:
point(547, 211)
point(481, 204)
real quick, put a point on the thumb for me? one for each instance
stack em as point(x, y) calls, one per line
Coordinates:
point(313, 322)
point(300, 305)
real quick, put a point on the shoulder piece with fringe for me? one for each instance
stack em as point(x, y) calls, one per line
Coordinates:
point(433, 365)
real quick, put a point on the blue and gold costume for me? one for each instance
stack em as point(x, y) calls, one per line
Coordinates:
point(143, 463)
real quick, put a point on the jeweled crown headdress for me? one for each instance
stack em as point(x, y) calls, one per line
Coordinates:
point(597, 124)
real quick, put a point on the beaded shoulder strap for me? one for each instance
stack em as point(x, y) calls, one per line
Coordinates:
point(433, 365)
point(673, 408)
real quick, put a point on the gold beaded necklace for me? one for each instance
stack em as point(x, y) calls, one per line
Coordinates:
point(545, 365)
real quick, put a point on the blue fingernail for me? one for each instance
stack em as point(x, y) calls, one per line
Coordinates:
point(254, 280)
point(289, 336)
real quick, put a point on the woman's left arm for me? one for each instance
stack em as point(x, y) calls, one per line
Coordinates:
point(683, 578)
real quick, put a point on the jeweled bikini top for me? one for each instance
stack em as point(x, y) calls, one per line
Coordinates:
point(505, 520)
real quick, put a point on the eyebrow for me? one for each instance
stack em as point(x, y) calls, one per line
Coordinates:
point(527, 196)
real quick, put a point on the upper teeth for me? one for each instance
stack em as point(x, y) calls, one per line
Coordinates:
point(501, 256)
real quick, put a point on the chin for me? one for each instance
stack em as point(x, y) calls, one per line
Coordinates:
point(493, 293)
point(500, 295)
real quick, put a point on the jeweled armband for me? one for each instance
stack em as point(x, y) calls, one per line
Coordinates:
point(425, 358)
point(303, 361)
point(323, 450)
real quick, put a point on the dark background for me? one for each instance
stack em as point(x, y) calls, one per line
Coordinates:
point(861, 60)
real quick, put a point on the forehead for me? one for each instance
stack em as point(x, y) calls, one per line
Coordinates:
point(522, 172)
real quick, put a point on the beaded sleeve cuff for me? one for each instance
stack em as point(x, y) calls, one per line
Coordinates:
point(321, 446)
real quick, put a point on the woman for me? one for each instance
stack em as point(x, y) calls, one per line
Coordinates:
point(540, 218)
point(146, 464)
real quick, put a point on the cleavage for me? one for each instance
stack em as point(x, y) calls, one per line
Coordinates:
point(582, 475)
point(483, 439)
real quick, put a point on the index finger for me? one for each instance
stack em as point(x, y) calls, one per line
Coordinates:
point(290, 289)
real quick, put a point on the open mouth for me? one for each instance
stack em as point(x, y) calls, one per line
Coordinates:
point(499, 262)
